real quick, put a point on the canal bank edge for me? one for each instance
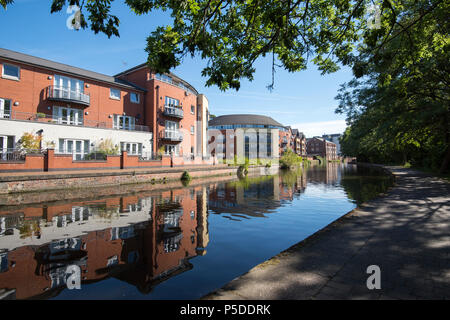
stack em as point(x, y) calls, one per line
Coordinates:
point(313, 268)
point(10, 184)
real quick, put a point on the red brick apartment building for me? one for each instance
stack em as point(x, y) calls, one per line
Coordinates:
point(299, 142)
point(321, 147)
point(75, 110)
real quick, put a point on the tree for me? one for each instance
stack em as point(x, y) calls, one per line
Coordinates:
point(398, 104)
point(232, 35)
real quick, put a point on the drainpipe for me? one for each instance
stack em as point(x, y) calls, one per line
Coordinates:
point(156, 134)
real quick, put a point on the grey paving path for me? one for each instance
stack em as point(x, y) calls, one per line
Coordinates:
point(406, 233)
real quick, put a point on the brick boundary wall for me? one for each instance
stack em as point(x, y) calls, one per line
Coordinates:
point(49, 161)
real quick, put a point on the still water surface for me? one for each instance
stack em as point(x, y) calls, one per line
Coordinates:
point(180, 243)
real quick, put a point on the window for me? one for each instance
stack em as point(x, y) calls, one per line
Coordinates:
point(132, 148)
point(163, 77)
point(171, 126)
point(114, 93)
point(171, 149)
point(172, 102)
point(192, 129)
point(124, 122)
point(11, 72)
point(70, 84)
point(5, 108)
point(6, 146)
point(134, 97)
point(78, 148)
point(193, 109)
point(63, 115)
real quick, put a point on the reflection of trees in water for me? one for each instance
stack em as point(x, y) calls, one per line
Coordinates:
point(363, 184)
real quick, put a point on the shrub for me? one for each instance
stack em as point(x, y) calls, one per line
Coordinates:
point(107, 147)
point(186, 176)
point(30, 140)
point(289, 159)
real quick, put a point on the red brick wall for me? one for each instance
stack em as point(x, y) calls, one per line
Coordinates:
point(154, 107)
point(31, 93)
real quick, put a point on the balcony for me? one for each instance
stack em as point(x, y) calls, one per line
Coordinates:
point(172, 111)
point(58, 93)
point(45, 118)
point(171, 135)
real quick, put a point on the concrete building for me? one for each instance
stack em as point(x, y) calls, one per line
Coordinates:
point(245, 136)
point(76, 110)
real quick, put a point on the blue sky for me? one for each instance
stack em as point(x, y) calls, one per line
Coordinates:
point(304, 100)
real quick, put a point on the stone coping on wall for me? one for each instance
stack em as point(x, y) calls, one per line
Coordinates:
point(86, 173)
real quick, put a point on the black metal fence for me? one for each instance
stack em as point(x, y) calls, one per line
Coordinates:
point(15, 154)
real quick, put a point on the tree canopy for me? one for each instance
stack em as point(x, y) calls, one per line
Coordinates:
point(232, 35)
point(397, 105)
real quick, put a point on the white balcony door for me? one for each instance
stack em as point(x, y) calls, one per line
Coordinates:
point(69, 84)
point(5, 108)
point(3, 147)
point(124, 122)
point(68, 115)
point(78, 148)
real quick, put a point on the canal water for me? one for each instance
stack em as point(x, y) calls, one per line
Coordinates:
point(179, 243)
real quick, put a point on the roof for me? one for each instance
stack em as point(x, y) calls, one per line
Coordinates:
point(251, 119)
point(64, 68)
point(144, 65)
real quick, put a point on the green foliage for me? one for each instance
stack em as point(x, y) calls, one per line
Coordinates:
point(289, 159)
point(186, 176)
point(30, 141)
point(397, 105)
point(233, 35)
point(243, 170)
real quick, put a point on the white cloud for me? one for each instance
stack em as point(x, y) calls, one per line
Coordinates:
point(311, 129)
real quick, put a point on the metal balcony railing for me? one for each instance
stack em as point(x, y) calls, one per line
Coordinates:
point(173, 111)
point(45, 118)
point(65, 94)
point(172, 135)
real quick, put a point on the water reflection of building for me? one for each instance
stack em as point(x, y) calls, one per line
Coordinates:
point(140, 240)
point(329, 174)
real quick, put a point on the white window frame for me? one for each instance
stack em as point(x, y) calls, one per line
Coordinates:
point(4, 115)
point(174, 147)
point(137, 95)
point(192, 109)
point(58, 82)
point(77, 118)
point(111, 96)
point(192, 130)
point(77, 155)
point(171, 102)
point(118, 124)
point(6, 76)
point(132, 148)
